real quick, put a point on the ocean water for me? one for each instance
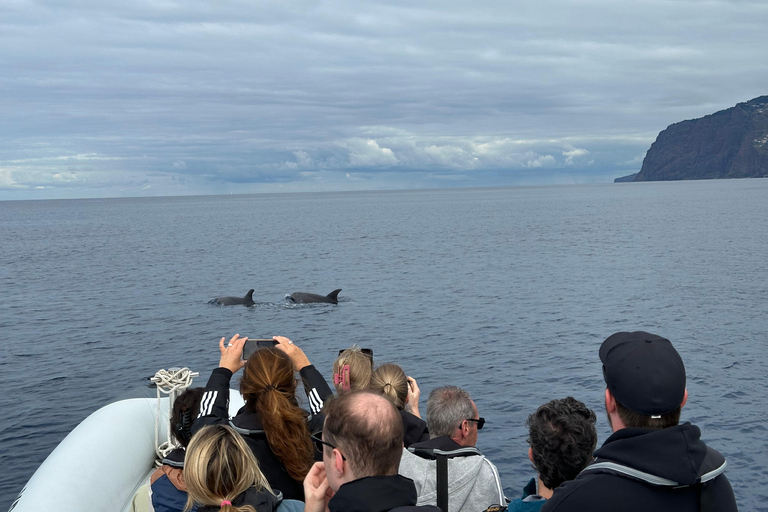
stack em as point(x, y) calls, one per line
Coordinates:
point(507, 292)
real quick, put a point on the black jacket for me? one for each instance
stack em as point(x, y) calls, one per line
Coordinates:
point(415, 429)
point(639, 470)
point(378, 494)
point(214, 409)
point(262, 501)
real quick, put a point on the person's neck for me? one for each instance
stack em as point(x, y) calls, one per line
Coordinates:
point(544, 491)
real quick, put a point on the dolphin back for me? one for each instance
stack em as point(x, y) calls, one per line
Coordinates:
point(247, 300)
point(307, 298)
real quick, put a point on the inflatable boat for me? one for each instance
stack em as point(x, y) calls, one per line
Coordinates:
point(99, 466)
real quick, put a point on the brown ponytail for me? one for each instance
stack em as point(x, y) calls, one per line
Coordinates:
point(269, 388)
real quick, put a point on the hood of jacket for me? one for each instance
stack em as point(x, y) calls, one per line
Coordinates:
point(374, 494)
point(248, 422)
point(473, 482)
point(676, 454)
point(260, 499)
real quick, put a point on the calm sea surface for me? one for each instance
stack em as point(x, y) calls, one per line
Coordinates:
point(507, 292)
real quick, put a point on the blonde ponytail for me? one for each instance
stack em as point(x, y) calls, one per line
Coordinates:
point(390, 380)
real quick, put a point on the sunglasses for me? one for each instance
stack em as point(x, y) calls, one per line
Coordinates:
point(366, 351)
point(480, 422)
point(320, 444)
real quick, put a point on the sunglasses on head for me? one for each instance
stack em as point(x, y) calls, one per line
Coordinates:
point(480, 422)
point(366, 351)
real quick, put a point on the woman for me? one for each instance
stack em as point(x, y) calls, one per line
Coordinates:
point(222, 474)
point(390, 380)
point(274, 426)
point(352, 369)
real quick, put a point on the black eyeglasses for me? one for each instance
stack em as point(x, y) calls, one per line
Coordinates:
point(319, 444)
point(480, 422)
point(366, 351)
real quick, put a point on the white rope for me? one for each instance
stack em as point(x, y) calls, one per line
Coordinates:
point(171, 382)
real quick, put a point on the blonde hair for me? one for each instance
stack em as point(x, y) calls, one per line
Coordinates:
point(352, 369)
point(390, 380)
point(218, 467)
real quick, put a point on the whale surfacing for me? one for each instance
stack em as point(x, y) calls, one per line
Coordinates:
point(247, 300)
point(307, 298)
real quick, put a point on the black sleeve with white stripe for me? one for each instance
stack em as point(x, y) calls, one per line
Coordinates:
point(317, 389)
point(214, 405)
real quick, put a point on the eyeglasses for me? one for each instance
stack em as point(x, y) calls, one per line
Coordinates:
point(319, 444)
point(366, 351)
point(480, 422)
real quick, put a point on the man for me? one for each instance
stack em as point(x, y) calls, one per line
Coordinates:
point(651, 462)
point(561, 440)
point(362, 441)
point(472, 480)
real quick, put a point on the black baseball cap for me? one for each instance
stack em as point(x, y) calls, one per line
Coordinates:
point(644, 372)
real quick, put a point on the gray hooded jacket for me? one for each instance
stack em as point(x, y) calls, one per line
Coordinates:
point(473, 480)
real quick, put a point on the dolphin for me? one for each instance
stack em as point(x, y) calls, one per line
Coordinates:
point(234, 301)
point(306, 298)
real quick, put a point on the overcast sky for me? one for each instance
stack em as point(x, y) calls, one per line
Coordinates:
point(103, 98)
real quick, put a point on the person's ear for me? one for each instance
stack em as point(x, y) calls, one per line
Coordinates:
point(338, 462)
point(610, 402)
point(530, 454)
point(685, 398)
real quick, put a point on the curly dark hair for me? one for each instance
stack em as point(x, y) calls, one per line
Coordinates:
point(562, 437)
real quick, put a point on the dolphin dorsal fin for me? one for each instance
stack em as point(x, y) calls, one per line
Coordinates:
point(249, 295)
point(334, 294)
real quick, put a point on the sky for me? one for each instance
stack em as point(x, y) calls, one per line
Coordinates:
point(105, 98)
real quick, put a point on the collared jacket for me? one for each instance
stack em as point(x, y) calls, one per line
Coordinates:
point(378, 494)
point(637, 470)
point(261, 500)
point(473, 480)
point(214, 409)
point(414, 429)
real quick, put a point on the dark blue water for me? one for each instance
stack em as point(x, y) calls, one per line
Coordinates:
point(506, 292)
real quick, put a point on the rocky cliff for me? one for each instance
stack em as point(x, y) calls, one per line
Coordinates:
point(732, 143)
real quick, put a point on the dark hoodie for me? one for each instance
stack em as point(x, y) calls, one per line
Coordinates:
point(414, 428)
point(261, 500)
point(378, 494)
point(641, 470)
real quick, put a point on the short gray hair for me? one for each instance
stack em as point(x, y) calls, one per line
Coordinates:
point(447, 407)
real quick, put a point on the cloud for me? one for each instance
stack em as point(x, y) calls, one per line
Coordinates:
point(239, 92)
point(368, 153)
point(572, 154)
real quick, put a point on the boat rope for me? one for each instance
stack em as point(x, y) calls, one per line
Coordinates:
point(170, 382)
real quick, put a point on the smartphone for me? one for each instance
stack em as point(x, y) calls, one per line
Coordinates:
point(252, 345)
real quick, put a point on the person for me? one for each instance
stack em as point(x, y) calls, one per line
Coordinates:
point(473, 480)
point(390, 380)
point(361, 442)
point(651, 461)
point(223, 475)
point(166, 490)
point(352, 369)
point(561, 440)
point(273, 424)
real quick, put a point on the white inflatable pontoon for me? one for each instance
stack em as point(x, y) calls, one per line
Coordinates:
point(99, 466)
